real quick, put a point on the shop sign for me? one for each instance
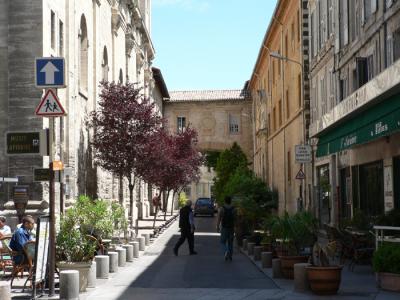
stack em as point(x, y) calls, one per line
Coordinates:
point(41, 174)
point(23, 143)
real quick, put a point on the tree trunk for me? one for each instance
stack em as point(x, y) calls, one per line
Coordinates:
point(172, 206)
point(121, 190)
point(166, 205)
point(131, 187)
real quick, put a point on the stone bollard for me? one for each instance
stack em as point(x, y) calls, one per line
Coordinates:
point(250, 248)
point(142, 243)
point(102, 266)
point(121, 257)
point(257, 252)
point(146, 238)
point(92, 276)
point(5, 290)
point(300, 277)
point(135, 249)
point(276, 268)
point(266, 259)
point(244, 244)
point(129, 252)
point(113, 261)
point(69, 285)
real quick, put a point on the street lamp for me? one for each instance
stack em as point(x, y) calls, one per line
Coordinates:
point(279, 56)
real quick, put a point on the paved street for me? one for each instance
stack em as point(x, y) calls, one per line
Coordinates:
point(158, 274)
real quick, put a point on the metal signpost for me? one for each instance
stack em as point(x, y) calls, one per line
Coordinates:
point(50, 75)
point(303, 155)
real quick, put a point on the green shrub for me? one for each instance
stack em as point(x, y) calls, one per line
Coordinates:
point(387, 258)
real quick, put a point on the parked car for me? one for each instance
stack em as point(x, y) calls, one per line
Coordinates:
point(204, 206)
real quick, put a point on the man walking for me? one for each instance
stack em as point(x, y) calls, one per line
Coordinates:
point(225, 225)
point(186, 224)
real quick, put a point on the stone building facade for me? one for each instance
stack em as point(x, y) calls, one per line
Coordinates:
point(280, 95)
point(100, 40)
point(355, 106)
point(221, 117)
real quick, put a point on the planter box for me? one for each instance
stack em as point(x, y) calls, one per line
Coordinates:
point(83, 269)
point(324, 280)
point(287, 264)
point(389, 281)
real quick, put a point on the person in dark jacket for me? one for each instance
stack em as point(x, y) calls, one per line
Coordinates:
point(226, 225)
point(186, 224)
point(21, 236)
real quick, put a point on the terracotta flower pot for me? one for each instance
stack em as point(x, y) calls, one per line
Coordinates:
point(287, 264)
point(324, 280)
point(389, 281)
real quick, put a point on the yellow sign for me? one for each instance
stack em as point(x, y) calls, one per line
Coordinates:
point(58, 165)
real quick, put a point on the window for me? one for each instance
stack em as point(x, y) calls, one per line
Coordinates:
point(120, 77)
point(370, 67)
point(289, 167)
point(292, 37)
point(269, 124)
point(61, 38)
point(342, 89)
point(299, 85)
point(362, 70)
point(233, 123)
point(53, 30)
point(395, 47)
point(83, 57)
point(344, 22)
point(370, 7)
point(280, 112)
point(287, 105)
point(104, 65)
point(331, 19)
point(299, 25)
point(312, 35)
point(181, 124)
point(274, 117)
point(286, 46)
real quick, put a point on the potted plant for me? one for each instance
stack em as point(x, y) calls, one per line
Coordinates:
point(386, 263)
point(324, 274)
point(74, 250)
point(293, 234)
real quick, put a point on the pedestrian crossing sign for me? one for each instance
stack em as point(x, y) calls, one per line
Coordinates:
point(50, 106)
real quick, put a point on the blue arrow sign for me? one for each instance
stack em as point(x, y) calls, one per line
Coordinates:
point(50, 72)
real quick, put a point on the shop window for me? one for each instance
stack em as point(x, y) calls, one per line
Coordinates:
point(324, 192)
point(396, 181)
point(371, 188)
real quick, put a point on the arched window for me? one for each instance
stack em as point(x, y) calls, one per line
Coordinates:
point(121, 77)
point(83, 56)
point(104, 65)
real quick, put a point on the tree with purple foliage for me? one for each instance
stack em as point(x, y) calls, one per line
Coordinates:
point(123, 123)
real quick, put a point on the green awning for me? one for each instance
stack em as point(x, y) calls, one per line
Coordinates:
point(380, 120)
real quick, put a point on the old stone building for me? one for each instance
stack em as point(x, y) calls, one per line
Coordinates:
point(100, 40)
point(355, 106)
point(279, 89)
point(221, 117)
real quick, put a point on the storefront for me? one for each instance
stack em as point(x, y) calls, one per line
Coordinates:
point(363, 153)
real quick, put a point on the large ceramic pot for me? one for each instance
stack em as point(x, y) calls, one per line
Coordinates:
point(324, 280)
point(83, 269)
point(389, 281)
point(287, 264)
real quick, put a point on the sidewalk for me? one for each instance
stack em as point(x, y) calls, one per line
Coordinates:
point(145, 226)
point(359, 284)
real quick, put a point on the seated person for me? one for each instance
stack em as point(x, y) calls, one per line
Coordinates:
point(33, 231)
point(21, 236)
point(5, 230)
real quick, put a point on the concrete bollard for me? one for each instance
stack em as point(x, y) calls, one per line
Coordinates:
point(113, 261)
point(257, 252)
point(92, 276)
point(135, 249)
point(102, 266)
point(266, 259)
point(276, 268)
point(301, 282)
point(5, 290)
point(250, 248)
point(142, 243)
point(129, 252)
point(69, 285)
point(121, 257)
point(146, 238)
point(244, 244)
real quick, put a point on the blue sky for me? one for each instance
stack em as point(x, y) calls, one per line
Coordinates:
point(208, 44)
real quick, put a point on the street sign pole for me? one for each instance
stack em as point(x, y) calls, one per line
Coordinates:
point(52, 238)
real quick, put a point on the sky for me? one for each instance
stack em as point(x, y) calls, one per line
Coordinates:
point(208, 44)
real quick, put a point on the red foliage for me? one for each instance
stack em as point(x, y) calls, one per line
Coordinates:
point(171, 161)
point(123, 124)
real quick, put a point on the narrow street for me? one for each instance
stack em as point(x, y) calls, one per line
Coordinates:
point(158, 274)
